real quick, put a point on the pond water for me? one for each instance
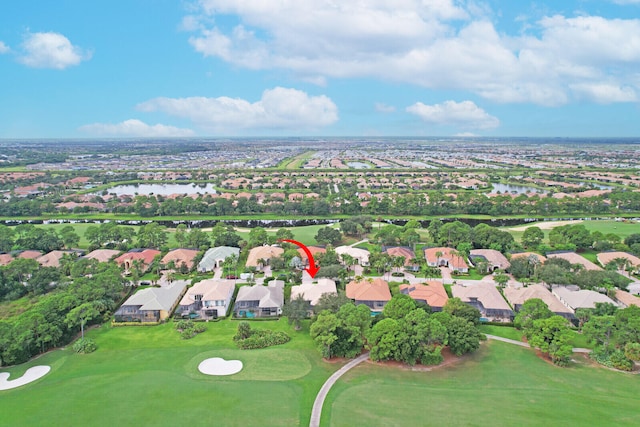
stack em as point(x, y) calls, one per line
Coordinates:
point(518, 189)
point(162, 189)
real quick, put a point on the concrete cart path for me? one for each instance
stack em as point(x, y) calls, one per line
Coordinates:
point(316, 412)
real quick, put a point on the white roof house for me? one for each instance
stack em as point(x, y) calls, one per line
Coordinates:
point(207, 295)
point(214, 257)
point(313, 291)
point(362, 255)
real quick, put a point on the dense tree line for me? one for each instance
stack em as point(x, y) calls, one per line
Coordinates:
point(405, 331)
point(55, 318)
point(615, 333)
point(429, 203)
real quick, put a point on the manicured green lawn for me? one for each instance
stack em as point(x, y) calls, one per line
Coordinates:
point(149, 376)
point(502, 331)
point(501, 385)
point(622, 229)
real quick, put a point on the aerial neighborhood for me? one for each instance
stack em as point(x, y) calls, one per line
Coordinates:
point(369, 262)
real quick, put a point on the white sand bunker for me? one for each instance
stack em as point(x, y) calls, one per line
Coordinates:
point(219, 366)
point(30, 375)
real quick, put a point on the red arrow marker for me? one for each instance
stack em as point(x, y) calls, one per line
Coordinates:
point(312, 269)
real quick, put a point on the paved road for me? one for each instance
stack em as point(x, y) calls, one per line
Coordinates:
point(316, 412)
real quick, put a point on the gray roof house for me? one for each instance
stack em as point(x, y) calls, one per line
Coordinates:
point(208, 299)
point(259, 300)
point(151, 304)
point(486, 298)
point(214, 257)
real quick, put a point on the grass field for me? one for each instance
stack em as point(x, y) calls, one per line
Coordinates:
point(501, 385)
point(148, 376)
point(622, 229)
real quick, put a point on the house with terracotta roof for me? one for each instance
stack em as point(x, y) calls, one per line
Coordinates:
point(493, 258)
point(260, 256)
point(259, 300)
point(151, 304)
point(315, 250)
point(103, 255)
point(145, 256)
point(574, 258)
point(431, 293)
point(625, 299)
point(485, 297)
point(446, 257)
point(209, 298)
point(404, 252)
point(605, 258)
point(540, 258)
point(313, 291)
point(180, 257)
point(518, 296)
point(5, 259)
point(374, 293)
point(29, 254)
point(52, 259)
point(214, 257)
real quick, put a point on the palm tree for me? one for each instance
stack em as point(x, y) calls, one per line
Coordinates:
point(438, 255)
point(398, 262)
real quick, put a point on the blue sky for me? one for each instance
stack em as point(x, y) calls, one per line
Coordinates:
point(158, 68)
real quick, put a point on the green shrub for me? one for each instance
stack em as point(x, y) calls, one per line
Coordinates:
point(244, 331)
point(432, 356)
point(249, 339)
point(612, 358)
point(620, 361)
point(84, 346)
point(189, 329)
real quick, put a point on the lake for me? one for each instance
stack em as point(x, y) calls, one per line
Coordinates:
point(518, 189)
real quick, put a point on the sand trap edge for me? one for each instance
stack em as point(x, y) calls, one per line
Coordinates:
point(30, 375)
point(218, 366)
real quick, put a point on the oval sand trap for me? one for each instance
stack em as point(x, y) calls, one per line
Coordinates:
point(219, 366)
point(30, 375)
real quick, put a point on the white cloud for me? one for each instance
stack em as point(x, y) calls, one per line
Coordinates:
point(626, 1)
point(3, 48)
point(51, 50)
point(465, 114)
point(603, 93)
point(384, 108)
point(135, 128)
point(279, 108)
point(438, 44)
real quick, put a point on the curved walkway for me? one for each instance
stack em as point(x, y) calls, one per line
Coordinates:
point(524, 344)
point(316, 412)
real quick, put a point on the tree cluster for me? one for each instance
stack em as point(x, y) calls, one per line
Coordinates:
point(616, 335)
point(55, 318)
point(546, 331)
